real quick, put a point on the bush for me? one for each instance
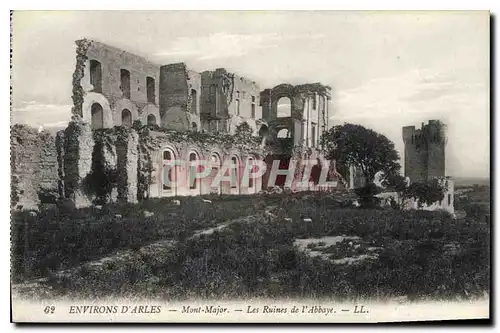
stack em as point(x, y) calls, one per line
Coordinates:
point(366, 194)
point(476, 211)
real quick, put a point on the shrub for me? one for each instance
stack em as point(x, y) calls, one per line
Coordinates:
point(366, 194)
point(426, 192)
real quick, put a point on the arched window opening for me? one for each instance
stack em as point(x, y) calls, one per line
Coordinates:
point(151, 119)
point(315, 172)
point(234, 172)
point(194, 126)
point(126, 118)
point(215, 164)
point(284, 133)
point(263, 131)
point(96, 75)
point(168, 170)
point(192, 181)
point(97, 116)
point(252, 170)
point(125, 82)
point(215, 161)
point(284, 107)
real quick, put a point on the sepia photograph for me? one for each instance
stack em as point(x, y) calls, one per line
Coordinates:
point(250, 166)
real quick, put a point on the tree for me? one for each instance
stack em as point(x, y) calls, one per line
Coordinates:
point(426, 192)
point(355, 145)
point(244, 130)
point(423, 192)
point(398, 184)
point(367, 195)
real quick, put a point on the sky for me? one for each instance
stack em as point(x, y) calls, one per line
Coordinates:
point(386, 69)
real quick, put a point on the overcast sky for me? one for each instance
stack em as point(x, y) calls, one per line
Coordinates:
point(387, 70)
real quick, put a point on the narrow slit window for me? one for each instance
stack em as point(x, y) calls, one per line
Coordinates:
point(192, 182)
point(150, 87)
point(234, 172)
point(125, 82)
point(96, 75)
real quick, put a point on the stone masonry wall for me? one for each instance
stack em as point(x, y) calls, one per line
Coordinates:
point(174, 96)
point(105, 86)
point(308, 106)
point(112, 61)
point(34, 171)
point(101, 182)
point(194, 83)
point(229, 97)
point(60, 162)
point(425, 156)
point(127, 163)
point(78, 148)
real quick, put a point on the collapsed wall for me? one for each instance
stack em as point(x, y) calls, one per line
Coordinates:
point(100, 183)
point(101, 165)
point(34, 167)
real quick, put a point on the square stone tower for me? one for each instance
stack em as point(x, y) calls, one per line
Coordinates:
point(425, 151)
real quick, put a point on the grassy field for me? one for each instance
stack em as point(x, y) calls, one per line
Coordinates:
point(53, 240)
point(415, 254)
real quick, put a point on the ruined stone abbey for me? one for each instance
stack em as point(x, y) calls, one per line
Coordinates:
point(131, 116)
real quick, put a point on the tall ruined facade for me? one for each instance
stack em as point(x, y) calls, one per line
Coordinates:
point(306, 116)
point(227, 101)
point(112, 87)
point(131, 117)
point(295, 118)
